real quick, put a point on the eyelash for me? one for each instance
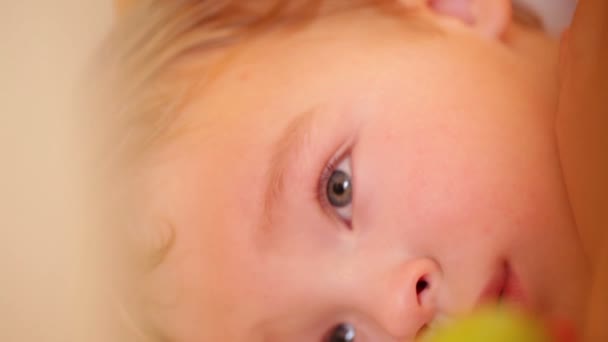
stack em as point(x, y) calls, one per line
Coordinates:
point(321, 191)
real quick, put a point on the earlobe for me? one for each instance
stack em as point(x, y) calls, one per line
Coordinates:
point(491, 18)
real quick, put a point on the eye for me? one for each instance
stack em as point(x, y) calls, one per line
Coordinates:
point(339, 189)
point(342, 333)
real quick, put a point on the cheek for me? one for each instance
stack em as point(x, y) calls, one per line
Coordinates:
point(457, 180)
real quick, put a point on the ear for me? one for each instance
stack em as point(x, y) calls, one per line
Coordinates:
point(490, 18)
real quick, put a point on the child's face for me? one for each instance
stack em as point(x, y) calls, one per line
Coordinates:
point(445, 189)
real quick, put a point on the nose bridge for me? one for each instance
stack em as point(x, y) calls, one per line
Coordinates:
point(406, 297)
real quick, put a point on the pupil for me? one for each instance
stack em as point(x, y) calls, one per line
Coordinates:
point(343, 333)
point(339, 188)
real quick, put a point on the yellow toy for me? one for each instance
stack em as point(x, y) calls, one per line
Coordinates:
point(491, 326)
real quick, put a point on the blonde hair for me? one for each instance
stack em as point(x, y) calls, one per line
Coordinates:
point(154, 35)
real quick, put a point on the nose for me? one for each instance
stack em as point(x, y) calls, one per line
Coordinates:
point(408, 298)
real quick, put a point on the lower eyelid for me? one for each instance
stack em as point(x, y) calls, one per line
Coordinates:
point(346, 212)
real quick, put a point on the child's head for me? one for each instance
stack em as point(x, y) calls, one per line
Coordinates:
point(377, 164)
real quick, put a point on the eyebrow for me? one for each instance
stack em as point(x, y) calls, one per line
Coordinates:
point(287, 147)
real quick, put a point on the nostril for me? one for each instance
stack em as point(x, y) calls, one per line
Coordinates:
point(421, 285)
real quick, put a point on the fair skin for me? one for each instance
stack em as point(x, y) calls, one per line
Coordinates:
point(458, 198)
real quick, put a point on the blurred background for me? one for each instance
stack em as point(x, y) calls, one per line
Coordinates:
point(46, 290)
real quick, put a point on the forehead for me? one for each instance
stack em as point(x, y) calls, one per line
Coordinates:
point(282, 73)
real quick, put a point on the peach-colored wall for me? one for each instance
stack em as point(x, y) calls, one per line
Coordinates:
point(45, 287)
